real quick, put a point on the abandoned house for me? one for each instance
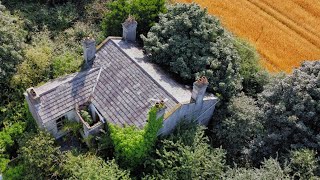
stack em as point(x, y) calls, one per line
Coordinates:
point(117, 86)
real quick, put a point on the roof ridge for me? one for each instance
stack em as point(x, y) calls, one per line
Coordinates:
point(82, 73)
point(144, 71)
point(97, 80)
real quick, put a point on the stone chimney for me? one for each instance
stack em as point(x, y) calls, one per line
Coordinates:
point(34, 97)
point(89, 49)
point(161, 109)
point(199, 90)
point(129, 28)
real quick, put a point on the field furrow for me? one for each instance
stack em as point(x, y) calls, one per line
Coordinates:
point(298, 14)
point(285, 33)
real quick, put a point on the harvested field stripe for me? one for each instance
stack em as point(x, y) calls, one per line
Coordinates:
point(285, 33)
point(298, 15)
point(286, 22)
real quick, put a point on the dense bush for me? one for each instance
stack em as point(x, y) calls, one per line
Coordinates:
point(15, 172)
point(55, 18)
point(133, 145)
point(66, 64)
point(75, 34)
point(89, 166)
point(291, 113)
point(12, 37)
point(35, 68)
point(303, 163)
point(270, 170)
point(190, 42)
point(253, 75)
point(41, 156)
point(240, 127)
point(187, 157)
point(96, 10)
point(145, 12)
point(8, 135)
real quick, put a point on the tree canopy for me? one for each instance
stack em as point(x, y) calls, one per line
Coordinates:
point(190, 42)
point(291, 110)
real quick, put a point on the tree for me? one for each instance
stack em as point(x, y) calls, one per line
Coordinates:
point(291, 113)
point(240, 127)
point(253, 75)
point(270, 170)
point(12, 37)
point(145, 12)
point(190, 42)
point(180, 157)
point(36, 66)
point(303, 163)
point(41, 156)
point(89, 166)
point(8, 135)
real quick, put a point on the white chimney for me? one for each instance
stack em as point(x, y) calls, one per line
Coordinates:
point(129, 28)
point(199, 90)
point(34, 97)
point(89, 49)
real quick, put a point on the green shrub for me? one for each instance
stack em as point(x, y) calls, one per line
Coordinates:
point(79, 30)
point(133, 145)
point(253, 75)
point(36, 66)
point(190, 43)
point(66, 64)
point(40, 16)
point(145, 12)
point(15, 172)
point(89, 166)
point(96, 10)
point(186, 157)
point(270, 170)
point(12, 37)
point(303, 163)
point(239, 128)
point(86, 117)
point(40, 154)
point(8, 135)
point(291, 111)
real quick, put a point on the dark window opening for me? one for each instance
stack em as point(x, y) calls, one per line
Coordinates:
point(60, 123)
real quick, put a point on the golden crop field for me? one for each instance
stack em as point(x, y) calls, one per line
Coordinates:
point(285, 32)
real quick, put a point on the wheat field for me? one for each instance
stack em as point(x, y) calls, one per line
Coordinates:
point(284, 32)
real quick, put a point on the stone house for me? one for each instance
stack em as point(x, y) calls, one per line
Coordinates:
point(117, 86)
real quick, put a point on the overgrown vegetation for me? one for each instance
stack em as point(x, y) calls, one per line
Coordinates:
point(190, 43)
point(264, 128)
point(291, 110)
point(86, 117)
point(132, 145)
point(145, 12)
point(186, 154)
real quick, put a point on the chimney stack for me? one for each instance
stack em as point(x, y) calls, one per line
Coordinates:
point(199, 90)
point(129, 28)
point(34, 97)
point(89, 49)
point(161, 109)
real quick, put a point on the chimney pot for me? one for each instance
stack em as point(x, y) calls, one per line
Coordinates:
point(129, 28)
point(89, 49)
point(161, 109)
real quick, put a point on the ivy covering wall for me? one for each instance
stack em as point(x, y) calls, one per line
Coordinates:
point(132, 145)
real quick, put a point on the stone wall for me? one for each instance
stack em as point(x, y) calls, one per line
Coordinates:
point(200, 112)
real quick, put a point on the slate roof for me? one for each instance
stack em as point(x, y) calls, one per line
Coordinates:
point(119, 88)
point(60, 96)
point(125, 91)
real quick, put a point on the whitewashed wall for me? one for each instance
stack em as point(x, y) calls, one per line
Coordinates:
point(201, 112)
